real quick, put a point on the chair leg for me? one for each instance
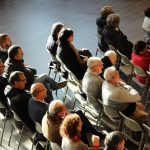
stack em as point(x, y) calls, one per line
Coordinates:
point(96, 52)
point(4, 124)
point(49, 71)
point(20, 138)
point(11, 133)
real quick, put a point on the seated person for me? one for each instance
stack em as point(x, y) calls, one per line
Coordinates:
point(5, 43)
point(146, 25)
point(54, 117)
point(52, 39)
point(114, 141)
point(37, 107)
point(101, 20)
point(120, 96)
point(92, 82)
point(69, 54)
point(70, 130)
point(3, 83)
point(141, 58)
point(18, 98)
point(15, 63)
point(115, 37)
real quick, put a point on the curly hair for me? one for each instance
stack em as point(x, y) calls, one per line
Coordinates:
point(69, 126)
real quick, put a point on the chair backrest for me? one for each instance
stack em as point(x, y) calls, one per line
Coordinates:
point(16, 117)
point(111, 112)
point(99, 38)
point(111, 47)
point(124, 59)
point(147, 129)
point(130, 123)
point(139, 71)
point(38, 127)
point(55, 146)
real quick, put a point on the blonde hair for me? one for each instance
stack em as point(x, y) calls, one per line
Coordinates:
point(112, 56)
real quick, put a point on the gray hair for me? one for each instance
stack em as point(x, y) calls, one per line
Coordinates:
point(112, 56)
point(109, 72)
point(92, 61)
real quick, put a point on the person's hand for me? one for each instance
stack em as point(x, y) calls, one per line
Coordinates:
point(95, 142)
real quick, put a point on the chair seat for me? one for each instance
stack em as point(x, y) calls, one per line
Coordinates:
point(91, 111)
point(126, 69)
point(80, 99)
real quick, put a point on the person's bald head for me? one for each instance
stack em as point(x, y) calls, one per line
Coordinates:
point(57, 108)
point(39, 91)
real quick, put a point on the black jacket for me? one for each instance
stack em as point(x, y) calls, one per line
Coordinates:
point(101, 23)
point(14, 65)
point(3, 84)
point(68, 57)
point(18, 102)
point(117, 39)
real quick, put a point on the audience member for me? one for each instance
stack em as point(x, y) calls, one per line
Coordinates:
point(18, 97)
point(3, 83)
point(5, 43)
point(15, 63)
point(114, 141)
point(141, 58)
point(121, 96)
point(92, 82)
point(69, 54)
point(37, 107)
point(146, 24)
point(52, 43)
point(101, 20)
point(70, 130)
point(109, 59)
point(54, 117)
point(115, 37)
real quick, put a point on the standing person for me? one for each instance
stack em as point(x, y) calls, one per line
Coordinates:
point(70, 131)
point(52, 43)
point(5, 43)
point(141, 58)
point(146, 25)
point(115, 37)
point(69, 55)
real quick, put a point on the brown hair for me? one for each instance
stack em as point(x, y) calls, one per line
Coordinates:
point(106, 10)
point(69, 126)
point(113, 20)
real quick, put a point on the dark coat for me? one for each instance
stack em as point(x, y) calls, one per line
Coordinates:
point(37, 110)
point(117, 39)
point(18, 102)
point(3, 56)
point(3, 84)
point(101, 23)
point(14, 65)
point(68, 57)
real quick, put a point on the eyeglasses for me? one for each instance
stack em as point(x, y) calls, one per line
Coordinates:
point(42, 90)
point(23, 80)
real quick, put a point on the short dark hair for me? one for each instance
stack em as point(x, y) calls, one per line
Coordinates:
point(13, 51)
point(106, 10)
point(63, 35)
point(147, 12)
point(139, 46)
point(113, 139)
point(15, 76)
point(113, 20)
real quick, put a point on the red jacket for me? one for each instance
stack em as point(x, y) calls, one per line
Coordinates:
point(142, 61)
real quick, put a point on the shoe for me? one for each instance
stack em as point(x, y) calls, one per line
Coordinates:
point(61, 84)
